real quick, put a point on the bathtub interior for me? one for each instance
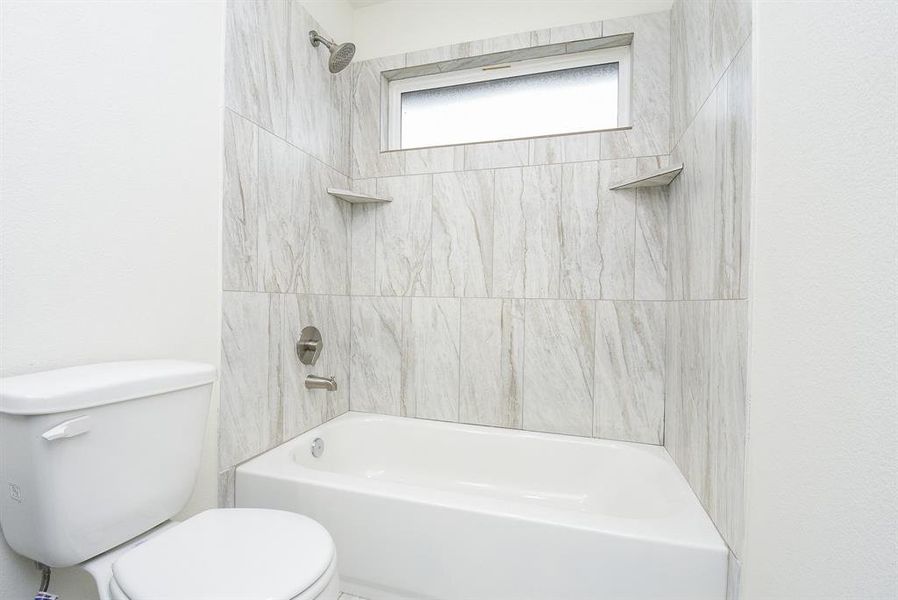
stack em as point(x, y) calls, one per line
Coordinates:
point(564, 472)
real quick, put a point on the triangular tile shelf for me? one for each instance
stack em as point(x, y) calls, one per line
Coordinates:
point(657, 178)
point(356, 197)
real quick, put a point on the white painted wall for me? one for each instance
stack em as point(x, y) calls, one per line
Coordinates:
point(111, 187)
point(398, 26)
point(822, 491)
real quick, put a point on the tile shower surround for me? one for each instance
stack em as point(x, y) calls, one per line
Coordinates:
point(505, 285)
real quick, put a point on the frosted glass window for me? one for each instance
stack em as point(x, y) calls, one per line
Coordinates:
point(548, 103)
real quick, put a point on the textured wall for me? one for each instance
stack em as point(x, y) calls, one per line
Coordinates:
point(286, 241)
point(707, 320)
point(505, 284)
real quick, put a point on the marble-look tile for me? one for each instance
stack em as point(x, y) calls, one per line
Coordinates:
point(527, 232)
point(240, 204)
point(463, 234)
point(567, 33)
point(248, 418)
point(430, 357)
point(650, 89)
point(317, 100)
point(734, 577)
point(366, 157)
point(708, 218)
point(615, 242)
point(304, 409)
point(285, 193)
point(705, 403)
point(735, 173)
point(441, 53)
point(497, 155)
point(256, 62)
point(492, 364)
point(363, 239)
point(651, 235)
point(403, 247)
point(226, 481)
point(329, 235)
point(691, 244)
point(577, 147)
point(705, 36)
point(687, 355)
point(597, 225)
point(728, 329)
point(559, 366)
point(376, 355)
point(434, 160)
point(629, 387)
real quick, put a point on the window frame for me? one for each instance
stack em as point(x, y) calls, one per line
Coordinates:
point(617, 54)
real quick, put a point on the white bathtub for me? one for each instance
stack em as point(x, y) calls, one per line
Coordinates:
point(423, 509)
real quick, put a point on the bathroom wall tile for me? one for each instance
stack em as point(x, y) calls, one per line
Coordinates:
point(705, 369)
point(304, 409)
point(597, 224)
point(728, 328)
point(496, 155)
point(434, 160)
point(527, 232)
point(248, 418)
point(734, 577)
point(705, 36)
point(463, 234)
point(629, 385)
point(567, 33)
point(650, 90)
point(376, 355)
point(691, 247)
point(329, 234)
point(730, 22)
point(709, 202)
point(430, 358)
point(577, 147)
point(285, 194)
point(559, 366)
point(651, 235)
point(226, 481)
point(492, 364)
point(256, 62)
point(363, 239)
point(403, 248)
point(366, 157)
point(735, 176)
point(687, 355)
point(240, 204)
point(317, 100)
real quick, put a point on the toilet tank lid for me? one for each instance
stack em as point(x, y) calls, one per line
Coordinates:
point(76, 388)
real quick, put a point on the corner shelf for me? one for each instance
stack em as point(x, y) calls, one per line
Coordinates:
point(657, 178)
point(356, 197)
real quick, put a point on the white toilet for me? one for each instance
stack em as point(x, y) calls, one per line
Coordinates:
point(95, 460)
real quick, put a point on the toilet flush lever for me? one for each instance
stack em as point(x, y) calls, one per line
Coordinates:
point(67, 429)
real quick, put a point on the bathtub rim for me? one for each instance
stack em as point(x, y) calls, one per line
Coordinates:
point(691, 528)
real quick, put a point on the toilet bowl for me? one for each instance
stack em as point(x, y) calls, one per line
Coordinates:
point(221, 554)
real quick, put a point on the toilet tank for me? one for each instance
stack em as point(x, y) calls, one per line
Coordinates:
point(92, 456)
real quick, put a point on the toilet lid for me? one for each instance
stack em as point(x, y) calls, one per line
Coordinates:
point(232, 553)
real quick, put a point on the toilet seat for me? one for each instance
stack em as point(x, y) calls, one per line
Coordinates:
point(235, 553)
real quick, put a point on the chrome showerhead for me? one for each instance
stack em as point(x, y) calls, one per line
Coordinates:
point(341, 54)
